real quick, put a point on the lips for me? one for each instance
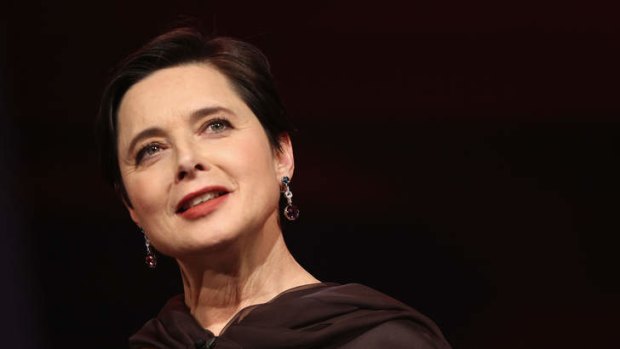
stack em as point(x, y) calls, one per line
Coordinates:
point(199, 197)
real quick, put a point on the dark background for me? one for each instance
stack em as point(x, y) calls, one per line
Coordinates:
point(460, 156)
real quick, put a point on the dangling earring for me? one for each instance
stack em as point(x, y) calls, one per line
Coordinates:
point(291, 212)
point(151, 258)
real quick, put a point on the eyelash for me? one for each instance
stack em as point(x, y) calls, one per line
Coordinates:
point(155, 146)
point(222, 121)
point(144, 151)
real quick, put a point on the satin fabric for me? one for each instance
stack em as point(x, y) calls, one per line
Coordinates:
point(325, 315)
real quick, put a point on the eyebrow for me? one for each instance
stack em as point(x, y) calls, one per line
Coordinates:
point(202, 112)
point(156, 131)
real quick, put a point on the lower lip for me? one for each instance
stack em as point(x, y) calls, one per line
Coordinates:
point(204, 208)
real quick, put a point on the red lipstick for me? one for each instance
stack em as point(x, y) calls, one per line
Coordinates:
point(187, 208)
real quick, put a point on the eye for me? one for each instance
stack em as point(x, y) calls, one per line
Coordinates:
point(218, 125)
point(148, 151)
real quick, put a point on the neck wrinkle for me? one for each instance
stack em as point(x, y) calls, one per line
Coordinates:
point(244, 274)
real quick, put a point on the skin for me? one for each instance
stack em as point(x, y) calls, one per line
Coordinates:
point(202, 134)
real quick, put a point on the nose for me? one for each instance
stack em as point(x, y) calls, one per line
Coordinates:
point(188, 164)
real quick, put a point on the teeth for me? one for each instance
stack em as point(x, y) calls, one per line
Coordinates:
point(200, 199)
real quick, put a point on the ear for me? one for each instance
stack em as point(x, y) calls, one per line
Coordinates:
point(284, 159)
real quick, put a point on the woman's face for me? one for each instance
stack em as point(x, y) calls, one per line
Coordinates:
point(195, 161)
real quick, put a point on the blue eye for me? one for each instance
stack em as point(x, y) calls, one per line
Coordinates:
point(218, 125)
point(147, 151)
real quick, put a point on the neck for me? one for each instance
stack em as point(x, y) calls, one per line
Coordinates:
point(249, 272)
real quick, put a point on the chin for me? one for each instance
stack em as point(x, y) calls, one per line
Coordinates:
point(202, 244)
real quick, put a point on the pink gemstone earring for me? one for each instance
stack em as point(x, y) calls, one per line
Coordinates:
point(291, 212)
point(151, 258)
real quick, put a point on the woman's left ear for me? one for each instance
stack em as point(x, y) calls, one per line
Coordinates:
point(285, 160)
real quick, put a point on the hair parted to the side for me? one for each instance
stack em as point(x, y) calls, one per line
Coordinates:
point(246, 68)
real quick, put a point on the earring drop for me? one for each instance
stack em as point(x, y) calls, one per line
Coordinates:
point(291, 212)
point(151, 258)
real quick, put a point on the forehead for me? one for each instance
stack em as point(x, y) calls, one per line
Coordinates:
point(177, 91)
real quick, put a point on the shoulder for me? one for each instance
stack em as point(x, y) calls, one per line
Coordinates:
point(379, 320)
point(361, 297)
point(397, 334)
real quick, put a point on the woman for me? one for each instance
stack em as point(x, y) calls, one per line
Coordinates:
point(195, 139)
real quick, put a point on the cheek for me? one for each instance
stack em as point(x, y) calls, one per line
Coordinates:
point(253, 158)
point(145, 191)
point(262, 176)
point(250, 164)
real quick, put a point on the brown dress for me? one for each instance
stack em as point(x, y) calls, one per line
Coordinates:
point(325, 315)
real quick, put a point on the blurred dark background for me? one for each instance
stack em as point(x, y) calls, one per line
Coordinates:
point(460, 156)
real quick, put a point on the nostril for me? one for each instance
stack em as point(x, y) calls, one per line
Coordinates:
point(189, 170)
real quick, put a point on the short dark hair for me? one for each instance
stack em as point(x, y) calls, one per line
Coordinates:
point(244, 65)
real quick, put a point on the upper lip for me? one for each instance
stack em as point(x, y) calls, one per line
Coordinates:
point(187, 198)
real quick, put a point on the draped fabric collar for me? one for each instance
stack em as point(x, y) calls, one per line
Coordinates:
point(320, 315)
